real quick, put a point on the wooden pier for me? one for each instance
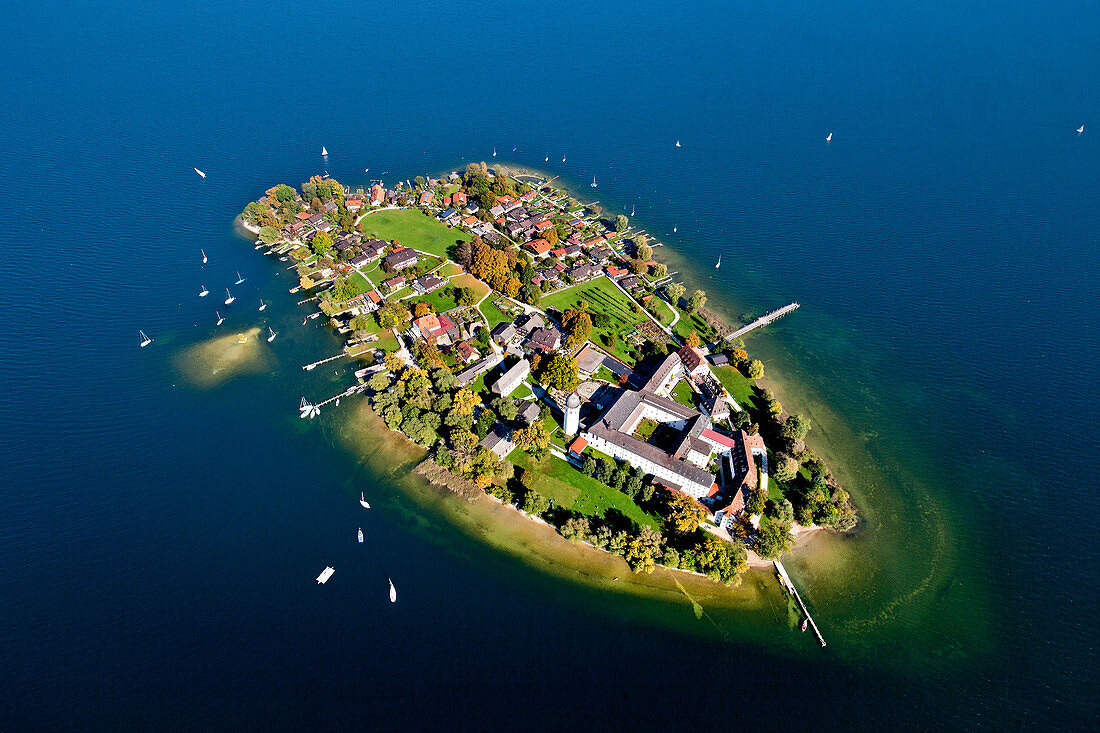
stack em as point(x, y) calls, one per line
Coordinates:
point(794, 592)
point(764, 320)
point(311, 367)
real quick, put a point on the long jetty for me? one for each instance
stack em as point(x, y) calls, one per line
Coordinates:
point(794, 591)
point(763, 320)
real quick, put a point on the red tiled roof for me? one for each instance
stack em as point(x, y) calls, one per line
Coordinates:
point(578, 446)
point(718, 438)
point(541, 246)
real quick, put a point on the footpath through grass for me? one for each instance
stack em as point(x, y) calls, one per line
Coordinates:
point(412, 229)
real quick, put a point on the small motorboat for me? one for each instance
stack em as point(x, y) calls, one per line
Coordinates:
point(805, 623)
point(360, 535)
point(393, 592)
point(204, 292)
point(325, 575)
point(201, 174)
point(145, 340)
point(494, 151)
point(547, 160)
point(363, 501)
point(673, 230)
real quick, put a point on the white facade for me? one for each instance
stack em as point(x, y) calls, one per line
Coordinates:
point(572, 414)
point(665, 475)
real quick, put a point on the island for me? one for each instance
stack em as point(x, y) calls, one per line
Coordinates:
point(541, 355)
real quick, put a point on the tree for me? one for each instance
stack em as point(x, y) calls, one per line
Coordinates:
point(618, 543)
point(484, 467)
point(284, 193)
point(684, 514)
point(604, 469)
point(268, 234)
point(579, 325)
point(786, 468)
point(464, 401)
point(530, 294)
point(534, 439)
point(796, 426)
point(773, 407)
point(697, 300)
point(660, 270)
point(535, 503)
point(774, 541)
point(588, 465)
point(738, 357)
point(380, 382)
point(674, 291)
point(693, 340)
point(464, 254)
point(755, 369)
point(671, 558)
point(422, 308)
point(321, 243)
point(783, 512)
point(633, 486)
point(466, 296)
point(512, 286)
point(740, 419)
point(755, 503)
point(506, 408)
point(621, 223)
point(644, 252)
point(561, 373)
point(575, 530)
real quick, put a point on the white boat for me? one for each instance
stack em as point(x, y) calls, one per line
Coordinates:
point(719, 263)
point(1080, 129)
point(673, 230)
point(145, 340)
point(632, 209)
point(393, 592)
point(239, 278)
point(272, 336)
point(677, 143)
point(363, 501)
point(829, 138)
point(228, 297)
point(221, 319)
point(366, 170)
point(360, 535)
point(563, 159)
point(325, 575)
point(203, 256)
point(593, 184)
point(262, 304)
point(324, 150)
point(204, 292)
point(200, 173)
point(547, 159)
point(494, 151)
point(337, 401)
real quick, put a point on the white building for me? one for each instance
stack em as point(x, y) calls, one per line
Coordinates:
point(512, 378)
point(572, 414)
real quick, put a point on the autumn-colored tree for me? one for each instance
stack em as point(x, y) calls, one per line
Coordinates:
point(693, 340)
point(551, 236)
point(534, 439)
point(306, 282)
point(684, 514)
point(579, 325)
point(422, 308)
point(659, 270)
point(755, 369)
point(512, 286)
point(465, 401)
point(739, 357)
point(561, 373)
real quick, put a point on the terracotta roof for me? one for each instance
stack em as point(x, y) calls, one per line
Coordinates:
point(578, 445)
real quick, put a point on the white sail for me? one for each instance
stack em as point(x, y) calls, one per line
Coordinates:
point(829, 138)
point(145, 340)
point(272, 336)
point(262, 304)
point(203, 256)
point(719, 263)
point(1080, 129)
point(677, 143)
point(324, 150)
point(363, 501)
point(204, 292)
point(200, 173)
point(393, 592)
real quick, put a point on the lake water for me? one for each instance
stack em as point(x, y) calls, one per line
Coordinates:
point(160, 536)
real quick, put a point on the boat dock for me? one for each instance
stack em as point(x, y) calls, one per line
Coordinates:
point(794, 591)
point(353, 389)
point(764, 320)
point(311, 367)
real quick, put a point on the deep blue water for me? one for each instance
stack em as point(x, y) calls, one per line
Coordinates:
point(159, 541)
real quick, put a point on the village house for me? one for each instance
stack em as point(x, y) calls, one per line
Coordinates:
point(459, 199)
point(427, 284)
point(437, 329)
point(540, 247)
point(512, 378)
point(466, 353)
point(377, 195)
point(693, 361)
point(425, 198)
point(400, 259)
point(353, 204)
point(394, 283)
point(448, 216)
point(498, 441)
point(528, 413)
point(545, 339)
point(504, 333)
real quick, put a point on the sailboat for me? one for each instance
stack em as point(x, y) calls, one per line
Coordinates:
point(239, 278)
point(494, 151)
point(546, 159)
point(262, 304)
point(221, 318)
point(145, 340)
point(204, 292)
point(593, 184)
point(203, 256)
point(563, 159)
point(829, 138)
point(632, 209)
point(1080, 129)
point(719, 263)
point(673, 230)
point(363, 501)
point(360, 535)
point(228, 297)
point(393, 592)
point(200, 173)
point(324, 151)
point(677, 143)
point(272, 336)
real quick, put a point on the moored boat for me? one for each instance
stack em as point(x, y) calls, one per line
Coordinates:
point(325, 575)
point(360, 535)
point(145, 340)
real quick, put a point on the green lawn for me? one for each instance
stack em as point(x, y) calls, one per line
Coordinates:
point(493, 315)
point(683, 394)
point(440, 300)
point(386, 340)
point(373, 272)
point(737, 384)
point(664, 312)
point(689, 323)
point(602, 296)
point(570, 488)
point(606, 374)
point(361, 283)
point(412, 229)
